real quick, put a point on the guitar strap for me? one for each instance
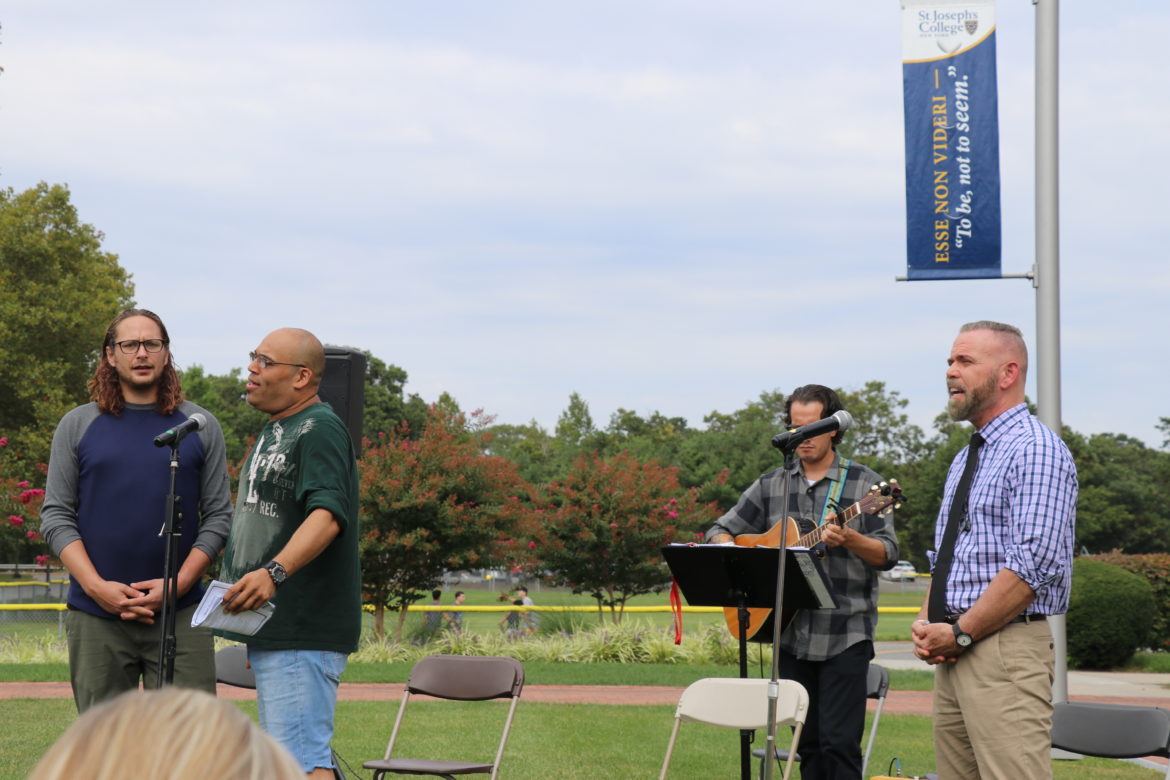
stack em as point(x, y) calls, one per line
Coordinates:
point(836, 488)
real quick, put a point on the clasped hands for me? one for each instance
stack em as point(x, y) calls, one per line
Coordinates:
point(935, 643)
point(138, 601)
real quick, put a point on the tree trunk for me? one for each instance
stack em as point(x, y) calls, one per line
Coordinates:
point(379, 621)
point(401, 623)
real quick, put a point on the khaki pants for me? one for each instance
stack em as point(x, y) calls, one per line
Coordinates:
point(107, 657)
point(993, 708)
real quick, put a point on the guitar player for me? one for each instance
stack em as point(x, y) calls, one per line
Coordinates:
point(826, 651)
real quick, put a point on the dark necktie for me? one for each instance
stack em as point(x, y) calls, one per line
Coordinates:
point(937, 607)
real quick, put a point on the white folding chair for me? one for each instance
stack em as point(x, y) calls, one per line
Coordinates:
point(739, 704)
point(877, 686)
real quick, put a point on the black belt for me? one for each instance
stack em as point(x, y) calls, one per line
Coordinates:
point(952, 619)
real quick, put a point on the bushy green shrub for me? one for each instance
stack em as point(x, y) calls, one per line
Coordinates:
point(1109, 617)
point(1155, 567)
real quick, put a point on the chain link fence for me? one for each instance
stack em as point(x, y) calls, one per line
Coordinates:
point(32, 598)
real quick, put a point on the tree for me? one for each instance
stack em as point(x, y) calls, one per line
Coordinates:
point(386, 404)
point(606, 523)
point(1119, 505)
point(58, 293)
point(881, 431)
point(923, 481)
point(734, 450)
point(530, 447)
point(429, 505)
point(575, 424)
point(223, 396)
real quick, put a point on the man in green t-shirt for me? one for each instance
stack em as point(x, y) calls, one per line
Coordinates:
point(294, 541)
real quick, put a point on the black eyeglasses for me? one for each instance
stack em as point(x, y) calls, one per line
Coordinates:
point(266, 361)
point(130, 346)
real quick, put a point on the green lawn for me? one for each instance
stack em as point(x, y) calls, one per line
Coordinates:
point(548, 740)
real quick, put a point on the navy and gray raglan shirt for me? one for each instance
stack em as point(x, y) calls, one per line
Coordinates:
point(107, 486)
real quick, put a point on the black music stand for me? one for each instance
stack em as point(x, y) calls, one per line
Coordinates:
point(724, 575)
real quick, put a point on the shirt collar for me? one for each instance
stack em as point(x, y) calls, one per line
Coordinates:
point(832, 474)
point(1004, 422)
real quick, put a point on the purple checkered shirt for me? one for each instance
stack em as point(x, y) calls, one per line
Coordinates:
point(1021, 514)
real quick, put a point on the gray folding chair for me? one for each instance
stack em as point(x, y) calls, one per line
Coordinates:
point(877, 686)
point(458, 678)
point(231, 667)
point(742, 704)
point(1111, 730)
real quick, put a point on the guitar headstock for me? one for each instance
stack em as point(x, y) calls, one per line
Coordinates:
point(882, 499)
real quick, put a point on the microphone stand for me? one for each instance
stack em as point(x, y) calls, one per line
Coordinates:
point(172, 530)
point(769, 769)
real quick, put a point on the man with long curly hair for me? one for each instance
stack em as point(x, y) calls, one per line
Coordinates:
point(104, 500)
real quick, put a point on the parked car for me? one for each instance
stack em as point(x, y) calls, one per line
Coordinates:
point(903, 571)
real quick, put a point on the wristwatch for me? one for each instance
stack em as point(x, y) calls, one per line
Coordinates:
point(277, 572)
point(962, 638)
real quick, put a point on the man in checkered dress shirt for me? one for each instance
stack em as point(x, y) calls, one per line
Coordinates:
point(1011, 569)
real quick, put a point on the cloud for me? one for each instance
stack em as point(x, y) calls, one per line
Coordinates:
point(662, 205)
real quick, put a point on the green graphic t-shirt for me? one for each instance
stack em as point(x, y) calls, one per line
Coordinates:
point(298, 464)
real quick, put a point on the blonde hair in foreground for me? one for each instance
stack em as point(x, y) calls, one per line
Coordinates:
point(173, 733)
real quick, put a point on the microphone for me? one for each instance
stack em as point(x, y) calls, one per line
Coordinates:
point(840, 421)
point(174, 435)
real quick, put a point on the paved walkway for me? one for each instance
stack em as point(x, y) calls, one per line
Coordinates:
point(1116, 687)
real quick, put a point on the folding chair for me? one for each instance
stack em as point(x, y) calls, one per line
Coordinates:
point(877, 686)
point(741, 704)
point(459, 678)
point(1111, 730)
point(231, 667)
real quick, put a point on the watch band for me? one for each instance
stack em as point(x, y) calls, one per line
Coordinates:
point(277, 572)
point(962, 638)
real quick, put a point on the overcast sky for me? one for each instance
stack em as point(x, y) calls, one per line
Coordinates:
point(667, 206)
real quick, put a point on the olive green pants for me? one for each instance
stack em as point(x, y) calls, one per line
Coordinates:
point(107, 657)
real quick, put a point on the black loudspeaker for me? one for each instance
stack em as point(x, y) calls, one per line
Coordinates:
point(344, 388)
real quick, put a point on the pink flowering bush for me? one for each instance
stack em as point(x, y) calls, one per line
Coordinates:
point(20, 537)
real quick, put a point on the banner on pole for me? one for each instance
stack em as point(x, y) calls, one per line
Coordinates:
point(952, 139)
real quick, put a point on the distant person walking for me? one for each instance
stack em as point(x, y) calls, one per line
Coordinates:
point(433, 620)
point(531, 617)
point(455, 619)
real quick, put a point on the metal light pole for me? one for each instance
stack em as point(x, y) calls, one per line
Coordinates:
point(1047, 276)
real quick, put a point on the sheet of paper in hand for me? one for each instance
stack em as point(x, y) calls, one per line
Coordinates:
point(210, 614)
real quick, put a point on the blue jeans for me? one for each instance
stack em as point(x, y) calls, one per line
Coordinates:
point(296, 693)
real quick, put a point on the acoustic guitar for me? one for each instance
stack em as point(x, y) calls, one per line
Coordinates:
point(880, 500)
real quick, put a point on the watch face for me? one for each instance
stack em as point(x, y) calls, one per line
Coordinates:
point(277, 571)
